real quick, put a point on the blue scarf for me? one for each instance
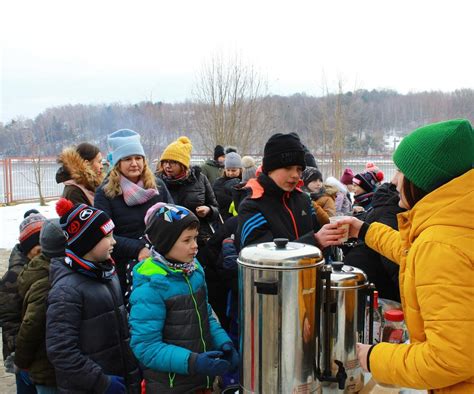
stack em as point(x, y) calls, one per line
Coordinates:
point(104, 270)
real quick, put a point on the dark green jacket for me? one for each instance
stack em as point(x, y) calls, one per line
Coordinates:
point(213, 170)
point(33, 287)
point(10, 301)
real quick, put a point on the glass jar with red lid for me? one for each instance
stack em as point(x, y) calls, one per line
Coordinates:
point(394, 327)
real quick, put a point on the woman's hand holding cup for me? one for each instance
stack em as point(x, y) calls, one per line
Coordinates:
point(354, 225)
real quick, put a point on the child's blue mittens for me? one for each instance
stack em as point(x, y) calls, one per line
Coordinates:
point(116, 385)
point(211, 364)
point(231, 355)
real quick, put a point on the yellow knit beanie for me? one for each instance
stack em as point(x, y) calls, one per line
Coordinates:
point(179, 150)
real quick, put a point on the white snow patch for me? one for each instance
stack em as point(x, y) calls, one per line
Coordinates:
point(12, 216)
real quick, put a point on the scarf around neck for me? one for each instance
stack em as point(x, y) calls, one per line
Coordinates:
point(134, 193)
point(104, 270)
point(176, 179)
point(187, 268)
point(364, 199)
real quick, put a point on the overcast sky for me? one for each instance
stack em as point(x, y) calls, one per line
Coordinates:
point(101, 51)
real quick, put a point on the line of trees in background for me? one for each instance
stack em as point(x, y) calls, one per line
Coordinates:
point(231, 106)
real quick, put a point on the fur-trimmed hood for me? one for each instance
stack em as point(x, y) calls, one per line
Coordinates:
point(75, 168)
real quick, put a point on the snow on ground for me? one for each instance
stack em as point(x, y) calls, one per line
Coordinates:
point(12, 216)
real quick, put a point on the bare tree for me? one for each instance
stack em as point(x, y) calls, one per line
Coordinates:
point(339, 133)
point(230, 104)
point(27, 133)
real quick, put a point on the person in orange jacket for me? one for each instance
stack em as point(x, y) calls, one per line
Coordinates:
point(434, 248)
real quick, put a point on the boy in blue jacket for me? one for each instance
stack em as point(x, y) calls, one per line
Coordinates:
point(173, 331)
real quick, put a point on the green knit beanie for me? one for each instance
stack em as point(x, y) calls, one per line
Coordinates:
point(433, 155)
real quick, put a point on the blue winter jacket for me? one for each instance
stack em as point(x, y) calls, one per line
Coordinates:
point(170, 322)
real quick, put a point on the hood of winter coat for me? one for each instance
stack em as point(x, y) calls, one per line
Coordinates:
point(239, 192)
point(449, 205)
point(330, 190)
point(58, 270)
point(385, 195)
point(75, 167)
point(326, 190)
point(213, 163)
point(17, 258)
point(36, 269)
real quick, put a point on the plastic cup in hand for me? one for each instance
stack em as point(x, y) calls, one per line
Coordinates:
point(335, 219)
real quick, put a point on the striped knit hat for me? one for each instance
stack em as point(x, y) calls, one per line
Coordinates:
point(30, 229)
point(83, 226)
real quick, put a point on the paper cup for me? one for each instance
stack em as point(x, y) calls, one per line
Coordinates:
point(335, 219)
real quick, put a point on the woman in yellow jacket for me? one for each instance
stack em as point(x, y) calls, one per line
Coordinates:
point(435, 250)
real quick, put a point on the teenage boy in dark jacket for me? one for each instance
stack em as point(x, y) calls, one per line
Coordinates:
point(87, 338)
point(276, 207)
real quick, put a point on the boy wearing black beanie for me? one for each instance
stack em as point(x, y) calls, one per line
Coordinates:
point(87, 339)
point(173, 331)
point(214, 168)
point(276, 206)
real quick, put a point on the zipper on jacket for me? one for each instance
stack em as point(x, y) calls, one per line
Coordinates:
point(199, 319)
point(171, 377)
point(291, 214)
point(123, 352)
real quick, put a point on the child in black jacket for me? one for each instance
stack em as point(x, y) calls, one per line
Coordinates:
point(276, 207)
point(87, 338)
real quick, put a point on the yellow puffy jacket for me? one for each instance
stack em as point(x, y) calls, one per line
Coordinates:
point(435, 250)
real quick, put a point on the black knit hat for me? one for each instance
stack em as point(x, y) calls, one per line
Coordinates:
point(283, 150)
point(311, 174)
point(165, 223)
point(218, 152)
point(369, 181)
point(82, 225)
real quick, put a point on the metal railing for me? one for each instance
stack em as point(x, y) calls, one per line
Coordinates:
point(18, 182)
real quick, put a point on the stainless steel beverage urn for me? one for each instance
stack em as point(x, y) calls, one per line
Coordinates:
point(278, 315)
point(344, 292)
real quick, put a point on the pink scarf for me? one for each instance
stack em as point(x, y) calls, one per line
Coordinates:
point(134, 193)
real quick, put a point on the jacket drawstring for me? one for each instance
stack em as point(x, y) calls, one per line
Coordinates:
point(171, 377)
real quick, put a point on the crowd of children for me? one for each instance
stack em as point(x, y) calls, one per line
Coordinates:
point(134, 287)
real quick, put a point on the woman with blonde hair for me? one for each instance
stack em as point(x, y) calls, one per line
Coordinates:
point(126, 195)
point(434, 249)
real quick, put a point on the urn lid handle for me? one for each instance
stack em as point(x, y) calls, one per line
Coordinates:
point(280, 242)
